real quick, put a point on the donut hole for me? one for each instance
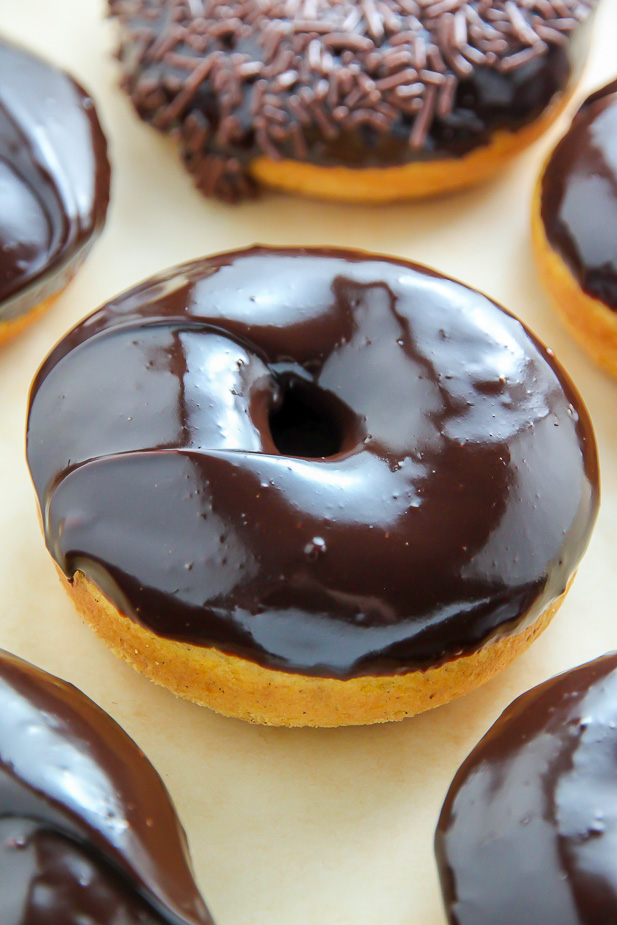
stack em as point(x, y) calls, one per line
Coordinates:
point(307, 421)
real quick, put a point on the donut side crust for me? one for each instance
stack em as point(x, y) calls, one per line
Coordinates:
point(588, 319)
point(11, 327)
point(237, 687)
point(416, 180)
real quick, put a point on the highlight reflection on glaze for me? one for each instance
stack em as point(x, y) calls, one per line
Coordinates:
point(87, 829)
point(54, 178)
point(458, 496)
point(528, 831)
point(579, 196)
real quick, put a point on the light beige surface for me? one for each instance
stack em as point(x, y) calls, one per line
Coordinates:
point(310, 827)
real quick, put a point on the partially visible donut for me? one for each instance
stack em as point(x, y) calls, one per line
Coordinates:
point(54, 183)
point(371, 101)
point(575, 226)
point(311, 487)
point(527, 832)
point(88, 832)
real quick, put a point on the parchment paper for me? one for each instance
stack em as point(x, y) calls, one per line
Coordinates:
point(310, 827)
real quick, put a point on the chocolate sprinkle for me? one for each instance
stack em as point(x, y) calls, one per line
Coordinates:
point(270, 76)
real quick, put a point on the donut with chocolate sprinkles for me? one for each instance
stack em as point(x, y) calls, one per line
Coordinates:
point(373, 100)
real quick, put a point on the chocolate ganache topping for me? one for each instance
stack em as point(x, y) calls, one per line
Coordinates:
point(324, 461)
point(376, 83)
point(528, 832)
point(54, 179)
point(88, 833)
point(579, 196)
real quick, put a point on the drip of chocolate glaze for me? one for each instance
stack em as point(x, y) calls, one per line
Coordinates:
point(331, 82)
point(54, 179)
point(528, 831)
point(455, 503)
point(87, 829)
point(579, 196)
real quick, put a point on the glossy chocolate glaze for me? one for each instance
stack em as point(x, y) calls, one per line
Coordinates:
point(528, 832)
point(54, 178)
point(579, 196)
point(88, 832)
point(456, 498)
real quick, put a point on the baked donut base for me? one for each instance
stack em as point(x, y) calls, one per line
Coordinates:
point(240, 688)
point(14, 326)
point(408, 181)
point(589, 320)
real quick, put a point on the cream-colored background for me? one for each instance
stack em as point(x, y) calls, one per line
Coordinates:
point(310, 827)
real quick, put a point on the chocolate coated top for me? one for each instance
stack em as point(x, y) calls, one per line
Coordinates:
point(170, 440)
point(371, 84)
point(528, 831)
point(54, 178)
point(88, 832)
point(579, 196)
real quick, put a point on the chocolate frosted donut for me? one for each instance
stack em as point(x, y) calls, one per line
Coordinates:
point(527, 832)
point(327, 471)
point(54, 182)
point(575, 217)
point(88, 833)
point(375, 100)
